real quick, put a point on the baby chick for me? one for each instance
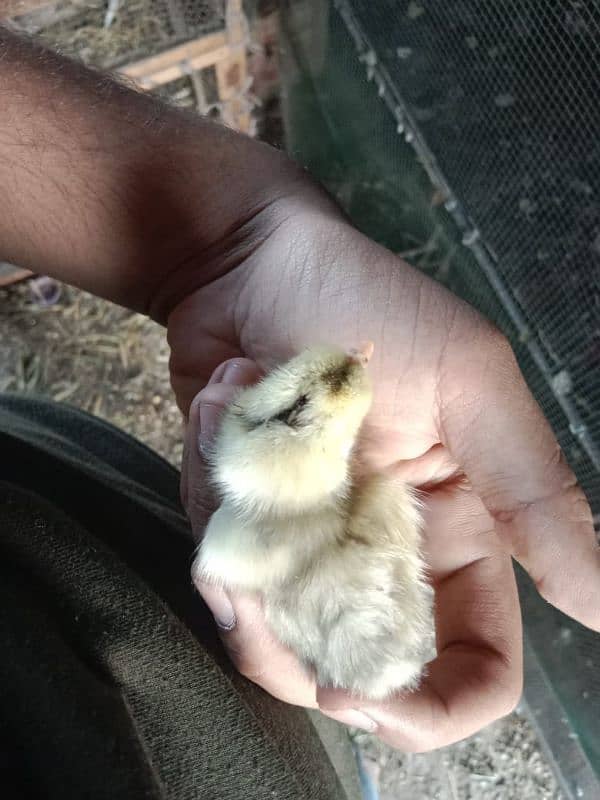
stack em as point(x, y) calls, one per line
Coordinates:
point(337, 562)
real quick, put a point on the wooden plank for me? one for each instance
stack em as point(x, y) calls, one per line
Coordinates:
point(179, 70)
point(225, 51)
point(198, 86)
point(205, 49)
point(235, 21)
point(245, 123)
point(232, 73)
point(231, 76)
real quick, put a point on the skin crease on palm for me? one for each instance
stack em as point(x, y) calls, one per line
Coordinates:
point(244, 257)
point(452, 412)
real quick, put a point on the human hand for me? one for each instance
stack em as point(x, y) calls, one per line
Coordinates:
point(452, 411)
point(179, 218)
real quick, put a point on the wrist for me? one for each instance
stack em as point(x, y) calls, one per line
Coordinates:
point(114, 192)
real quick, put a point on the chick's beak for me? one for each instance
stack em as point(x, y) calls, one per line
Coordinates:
point(362, 354)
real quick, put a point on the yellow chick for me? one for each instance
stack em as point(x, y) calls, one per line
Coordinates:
point(338, 563)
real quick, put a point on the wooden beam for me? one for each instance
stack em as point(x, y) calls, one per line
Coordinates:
point(235, 21)
point(165, 67)
point(231, 80)
point(198, 87)
point(179, 70)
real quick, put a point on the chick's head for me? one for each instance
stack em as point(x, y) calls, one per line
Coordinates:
point(284, 444)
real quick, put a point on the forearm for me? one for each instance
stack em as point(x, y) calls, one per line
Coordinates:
point(109, 190)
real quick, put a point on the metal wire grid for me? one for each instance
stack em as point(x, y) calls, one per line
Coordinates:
point(500, 104)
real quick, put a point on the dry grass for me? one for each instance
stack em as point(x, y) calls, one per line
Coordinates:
point(93, 355)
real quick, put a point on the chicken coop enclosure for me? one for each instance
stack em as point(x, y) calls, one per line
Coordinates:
point(191, 51)
point(466, 137)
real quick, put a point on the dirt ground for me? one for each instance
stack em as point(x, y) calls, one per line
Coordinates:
point(502, 762)
point(93, 355)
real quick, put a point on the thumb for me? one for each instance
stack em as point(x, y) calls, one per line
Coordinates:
point(197, 495)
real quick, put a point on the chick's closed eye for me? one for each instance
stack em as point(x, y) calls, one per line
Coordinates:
point(286, 441)
point(287, 416)
point(291, 415)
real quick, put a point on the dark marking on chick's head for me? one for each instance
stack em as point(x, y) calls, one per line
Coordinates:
point(338, 377)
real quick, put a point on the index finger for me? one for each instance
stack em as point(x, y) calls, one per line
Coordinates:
point(495, 430)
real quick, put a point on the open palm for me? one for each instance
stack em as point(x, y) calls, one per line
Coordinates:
point(451, 411)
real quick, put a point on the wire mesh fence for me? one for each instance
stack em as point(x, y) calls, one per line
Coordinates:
point(505, 99)
point(465, 137)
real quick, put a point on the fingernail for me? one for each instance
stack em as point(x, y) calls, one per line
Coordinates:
point(234, 372)
point(217, 375)
point(352, 717)
point(239, 373)
point(209, 417)
point(220, 605)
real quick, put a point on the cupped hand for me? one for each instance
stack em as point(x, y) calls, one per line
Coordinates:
point(451, 410)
